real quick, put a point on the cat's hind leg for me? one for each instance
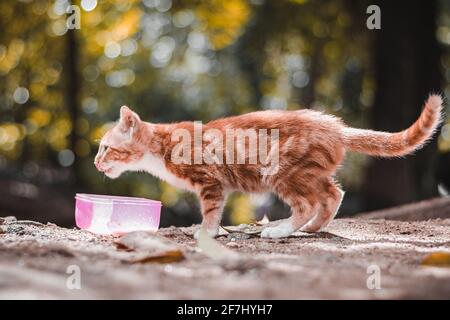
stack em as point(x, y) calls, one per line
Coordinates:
point(304, 205)
point(331, 198)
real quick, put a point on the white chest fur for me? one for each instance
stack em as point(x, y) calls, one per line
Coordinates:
point(156, 167)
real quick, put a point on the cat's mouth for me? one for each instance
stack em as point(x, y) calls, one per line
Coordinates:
point(110, 172)
point(106, 170)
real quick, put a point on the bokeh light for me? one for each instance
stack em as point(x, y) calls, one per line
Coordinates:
point(88, 5)
point(21, 95)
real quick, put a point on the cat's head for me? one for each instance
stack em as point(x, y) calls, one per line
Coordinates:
point(119, 149)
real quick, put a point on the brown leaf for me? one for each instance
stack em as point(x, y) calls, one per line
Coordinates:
point(145, 247)
point(163, 257)
point(122, 247)
point(437, 259)
point(28, 222)
point(250, 229)
point(265, 220)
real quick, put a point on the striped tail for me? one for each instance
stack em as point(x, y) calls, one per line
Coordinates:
point(385, 144)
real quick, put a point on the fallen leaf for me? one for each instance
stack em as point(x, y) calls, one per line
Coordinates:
point(145, 247)
point(238, 236)
point(141, 240)
point(265, 220)
point(8, 219)
point(164, 257)
point(28, 222)
point(222, 232)
point(250, 229)
point(437, 259)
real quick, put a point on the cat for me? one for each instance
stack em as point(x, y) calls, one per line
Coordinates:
point(310, 146)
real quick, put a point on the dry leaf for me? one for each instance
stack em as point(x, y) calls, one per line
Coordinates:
point(265, 220)
point(250, 229)
point(28, 222)
point(222, 232)
point(145, 247)
point(253, 229)
point(437, 259)
point(238, 236)
point(163, 257)
point(8, 219)
point(147, 241)
point(213, 248)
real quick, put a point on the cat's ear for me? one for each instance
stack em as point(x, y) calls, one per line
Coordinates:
point(128, 119)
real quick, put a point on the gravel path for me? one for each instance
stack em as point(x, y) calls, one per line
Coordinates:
point(37, 261)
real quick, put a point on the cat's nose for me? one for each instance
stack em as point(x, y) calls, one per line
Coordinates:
point(97, 164)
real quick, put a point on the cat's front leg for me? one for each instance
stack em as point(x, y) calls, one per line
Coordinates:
point(212, 198)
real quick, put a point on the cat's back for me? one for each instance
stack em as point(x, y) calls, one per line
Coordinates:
point(281, 119)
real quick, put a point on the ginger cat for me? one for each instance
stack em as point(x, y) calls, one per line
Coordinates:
point(306, 149)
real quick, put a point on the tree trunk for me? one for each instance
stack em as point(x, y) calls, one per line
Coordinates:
point(73, 92)
point(407, 59)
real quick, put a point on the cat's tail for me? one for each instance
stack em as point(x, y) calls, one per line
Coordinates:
point(385, 144)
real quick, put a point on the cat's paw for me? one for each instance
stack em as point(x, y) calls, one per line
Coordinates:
point(211, 232)
point(282, 230)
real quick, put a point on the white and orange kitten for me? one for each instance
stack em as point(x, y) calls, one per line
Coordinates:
point(309, 148)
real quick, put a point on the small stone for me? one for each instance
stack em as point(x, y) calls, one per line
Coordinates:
point(238, 236)
point(9, 219)
point(232, 244)
point(15, 229)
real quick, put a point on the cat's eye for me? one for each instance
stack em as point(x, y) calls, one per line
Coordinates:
point(103, 149)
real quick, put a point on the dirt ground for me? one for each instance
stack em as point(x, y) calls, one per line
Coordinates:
point(341, 263)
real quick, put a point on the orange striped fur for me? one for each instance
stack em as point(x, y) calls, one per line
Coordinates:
point(311, 146)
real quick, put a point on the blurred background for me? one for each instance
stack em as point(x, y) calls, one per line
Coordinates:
point(173, 60)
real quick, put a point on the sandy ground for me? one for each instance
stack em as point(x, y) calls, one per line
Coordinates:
point(338, 264)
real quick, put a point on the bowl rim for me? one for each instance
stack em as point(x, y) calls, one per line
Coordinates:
point(108, 199)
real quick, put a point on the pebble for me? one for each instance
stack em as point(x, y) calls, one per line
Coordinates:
point(238, 236)
point(9, 219)
point(15, 229)
point(232, 244)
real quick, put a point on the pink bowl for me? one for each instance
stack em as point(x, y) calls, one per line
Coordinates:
point(116, 215)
